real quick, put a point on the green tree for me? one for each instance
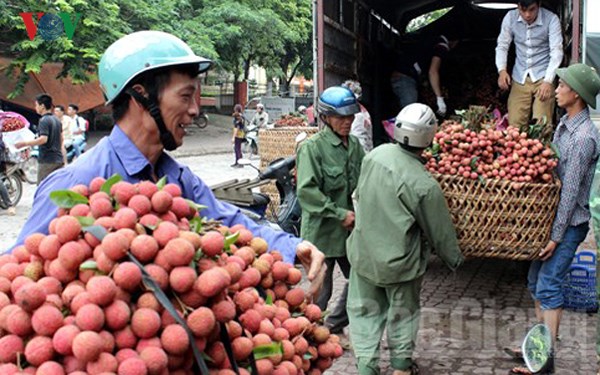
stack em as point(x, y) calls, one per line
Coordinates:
point(297, 56)
point(101, 23)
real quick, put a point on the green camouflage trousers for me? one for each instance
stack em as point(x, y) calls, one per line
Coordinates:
point(372, 309)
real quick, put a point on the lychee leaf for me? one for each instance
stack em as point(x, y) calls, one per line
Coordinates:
point(196, 224)
point(108, 184)
point(88, 265)
point(267, 350)
point(230, 240)
point(269, 300)
point(85, 221)
point(161, 183)
point(97, 231)
point(207, 357)
point(307, 355)
point(67, 198)
point(198, 255)
point(195, 206)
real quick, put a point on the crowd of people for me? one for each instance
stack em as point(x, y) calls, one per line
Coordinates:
point(374, 211)
point(57, 133)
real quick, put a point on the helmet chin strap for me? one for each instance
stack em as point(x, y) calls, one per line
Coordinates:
point(166, 137)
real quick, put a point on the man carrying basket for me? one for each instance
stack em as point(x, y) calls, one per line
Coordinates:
point(578, 143)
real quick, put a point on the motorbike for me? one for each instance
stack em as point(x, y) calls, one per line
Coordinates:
point(70, 152)
point(251, 140)
point(201, 121)
point(12, 178)
point(254, 205)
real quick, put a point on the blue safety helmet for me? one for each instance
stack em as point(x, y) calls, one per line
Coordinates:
point(337, 101)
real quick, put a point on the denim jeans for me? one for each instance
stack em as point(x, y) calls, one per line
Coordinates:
point(546, 278)
point(405, 89)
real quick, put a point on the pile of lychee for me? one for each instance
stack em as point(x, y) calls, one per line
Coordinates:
point(496, 154)
point(75, 301)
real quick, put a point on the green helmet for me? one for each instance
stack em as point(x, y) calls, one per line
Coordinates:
point(139, 52)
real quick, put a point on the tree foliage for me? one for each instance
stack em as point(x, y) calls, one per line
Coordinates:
point(237, 34)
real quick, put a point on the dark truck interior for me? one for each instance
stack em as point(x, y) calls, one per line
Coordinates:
point(469, 75)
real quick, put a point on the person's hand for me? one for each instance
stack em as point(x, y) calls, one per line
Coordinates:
point(313, 261)
point(545, 91)
point(348, 222)
point(548, 251)
point(20, 144)
point(504, 80)
point(232, 139)
point(441, 105)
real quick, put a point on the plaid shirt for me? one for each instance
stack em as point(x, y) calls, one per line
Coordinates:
point(578, 143)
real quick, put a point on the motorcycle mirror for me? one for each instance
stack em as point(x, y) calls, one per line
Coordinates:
point(301, 137)
point(244, 161)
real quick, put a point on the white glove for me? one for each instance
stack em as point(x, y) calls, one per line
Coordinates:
point(441, 104)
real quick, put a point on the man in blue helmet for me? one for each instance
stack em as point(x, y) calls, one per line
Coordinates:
point(328, 168)
point(150, 79)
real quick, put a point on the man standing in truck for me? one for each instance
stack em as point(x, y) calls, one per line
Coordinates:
point(409, 67)
point(538, 40)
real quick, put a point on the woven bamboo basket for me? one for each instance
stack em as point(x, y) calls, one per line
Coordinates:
point(274, 144)
point(498, 218)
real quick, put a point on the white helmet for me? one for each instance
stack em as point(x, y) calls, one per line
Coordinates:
point(302, 108)
point(415, 126)
point(260, 105)
point(354, 86)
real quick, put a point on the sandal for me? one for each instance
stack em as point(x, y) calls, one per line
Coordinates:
point(547, 369)
point(414, 369)
point(515, 354)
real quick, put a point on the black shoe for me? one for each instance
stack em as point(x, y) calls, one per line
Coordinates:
point(234, 165)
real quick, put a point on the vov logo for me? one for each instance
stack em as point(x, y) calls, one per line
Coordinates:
point(50, 25)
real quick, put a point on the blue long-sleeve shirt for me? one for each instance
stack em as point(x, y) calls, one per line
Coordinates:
point(117, 154)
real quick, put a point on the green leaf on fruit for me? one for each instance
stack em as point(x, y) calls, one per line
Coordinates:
point(435, 149)
point(196, 224)
point(67, 198)
point(161, 183)
point(481, 180)
point(269, 300)
point(195, 206)
point(267, 350)
point(207, 357)
point(473, 163)
point(97, 231)
point(85, 221)
point(88, 265)
point(230, 240)
point(307, 355)
point(108, 184)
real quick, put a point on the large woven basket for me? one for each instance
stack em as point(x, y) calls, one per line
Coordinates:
point(274, 144)
point(498, 218)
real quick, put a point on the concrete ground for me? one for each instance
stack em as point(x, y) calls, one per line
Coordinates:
point(467, 317)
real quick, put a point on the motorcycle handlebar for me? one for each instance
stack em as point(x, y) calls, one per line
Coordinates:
point(277, 167)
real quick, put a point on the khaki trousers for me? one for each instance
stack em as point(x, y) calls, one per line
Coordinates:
point(524, 106)
point(372, 309)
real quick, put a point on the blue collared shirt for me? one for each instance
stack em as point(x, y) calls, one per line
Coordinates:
point(117, 154)
point(578, 142)
point(539, 46)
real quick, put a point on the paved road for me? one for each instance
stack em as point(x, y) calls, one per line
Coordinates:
point(467, 317)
